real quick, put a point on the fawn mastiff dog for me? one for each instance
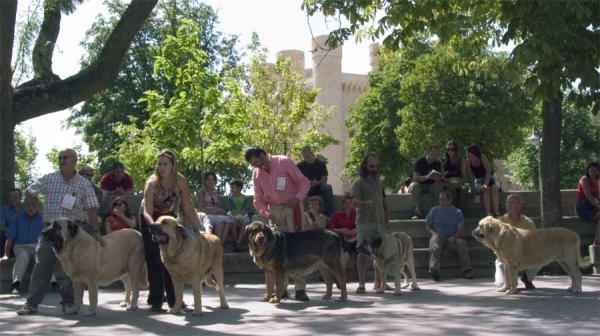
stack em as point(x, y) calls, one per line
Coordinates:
point(191, 259)
point(87, 263)
point(393, 254)
point(524, 249)
point(283, 254)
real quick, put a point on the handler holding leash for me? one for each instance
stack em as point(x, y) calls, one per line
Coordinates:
point(279, 188)
point(371, 213)
point(70, 195)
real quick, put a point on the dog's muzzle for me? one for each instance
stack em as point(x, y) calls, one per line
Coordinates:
point(51, 236)
point(158, 236)
point(475, 233)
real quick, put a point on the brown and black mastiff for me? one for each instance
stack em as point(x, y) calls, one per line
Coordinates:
point(283, 254)
point(190, 259)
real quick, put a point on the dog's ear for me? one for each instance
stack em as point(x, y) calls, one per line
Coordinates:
point(72, 228)
point(180, 231)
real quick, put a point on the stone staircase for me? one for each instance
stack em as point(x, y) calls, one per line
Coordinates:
point(239, 267)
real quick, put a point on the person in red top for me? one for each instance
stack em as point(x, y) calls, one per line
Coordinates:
point(117, 182)
point(279, 188)
point(343, 222)
point(120, 216)
point(588, 200)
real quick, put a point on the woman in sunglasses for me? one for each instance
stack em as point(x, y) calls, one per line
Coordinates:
point(120, 216)
point(455, 170)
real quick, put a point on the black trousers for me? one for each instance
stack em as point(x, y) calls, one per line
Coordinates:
point(158, 276)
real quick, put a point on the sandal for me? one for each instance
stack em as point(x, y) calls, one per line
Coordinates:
point(360, 290)
point(387, 288)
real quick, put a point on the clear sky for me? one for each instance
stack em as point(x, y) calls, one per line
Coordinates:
point(280, 25)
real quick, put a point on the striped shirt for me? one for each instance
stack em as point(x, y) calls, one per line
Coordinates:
point(54, 188)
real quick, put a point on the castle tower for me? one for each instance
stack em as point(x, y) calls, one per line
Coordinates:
point(327, 77)
point(373, 55)
point(297, 57)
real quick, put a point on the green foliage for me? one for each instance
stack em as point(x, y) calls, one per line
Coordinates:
point(374, 117)
point(270, 106)
point(478, 104)
point(82, 159)
point(580, 144)
point(96, 119)
point(25, 157)
point(557, 41)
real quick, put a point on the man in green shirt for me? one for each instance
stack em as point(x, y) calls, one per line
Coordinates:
point(515, 218)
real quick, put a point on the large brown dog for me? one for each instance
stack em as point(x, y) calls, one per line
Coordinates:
point(521, 249)
point(87, 263)
point(190, 259)
point(282, 254)
point(393, 254)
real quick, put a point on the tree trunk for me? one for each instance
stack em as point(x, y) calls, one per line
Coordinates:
point(8, 12)
point(550, 162)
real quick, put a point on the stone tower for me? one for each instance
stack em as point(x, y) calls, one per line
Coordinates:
point(297, 57)
point(327, 77)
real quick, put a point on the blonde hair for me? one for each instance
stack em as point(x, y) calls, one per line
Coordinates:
point(175, 175)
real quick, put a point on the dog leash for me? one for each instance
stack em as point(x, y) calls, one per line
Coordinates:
point(279, 218)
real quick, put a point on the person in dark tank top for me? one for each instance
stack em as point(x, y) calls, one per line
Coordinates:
point(481, 179)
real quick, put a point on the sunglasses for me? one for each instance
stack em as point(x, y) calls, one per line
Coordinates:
point(451, 149)
point(120, 204)
point(63, 157)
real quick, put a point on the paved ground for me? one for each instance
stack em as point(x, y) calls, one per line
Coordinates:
point(457, 306)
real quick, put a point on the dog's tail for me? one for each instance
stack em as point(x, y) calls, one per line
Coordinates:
point(144, 285)
point(584, 262)
point(211, 281)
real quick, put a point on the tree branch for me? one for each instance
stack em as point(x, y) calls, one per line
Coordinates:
point(44, 45)
point(35, 101)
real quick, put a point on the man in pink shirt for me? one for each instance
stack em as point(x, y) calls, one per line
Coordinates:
point(279, 188)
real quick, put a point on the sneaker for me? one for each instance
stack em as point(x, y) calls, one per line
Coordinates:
point(468, 274)
point(16, 287)
point(435, 274)
point(301, 295)
point(528, 284)
point(55, 287)
point(26, 310)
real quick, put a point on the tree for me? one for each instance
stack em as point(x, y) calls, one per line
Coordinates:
point(46, 92)
point(269, 105)
point(555, 41)
point(580, 144)
point(374, 118)
point(476, 104)
point(25, 157)
point(119, 103)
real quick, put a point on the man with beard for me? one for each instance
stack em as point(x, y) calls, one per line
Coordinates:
point(371, 213)
point(279, 188)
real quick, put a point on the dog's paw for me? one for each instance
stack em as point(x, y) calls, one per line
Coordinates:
point(380, 291)
point(405, 285)
point(326, 297)
point(511, 291)
point(416, 287)
point(397, 292)
point(343, 298)
point(502, 290)
point(197, 312)
point(90, 313)
point(173, 311)
point(266, 298)
point(124, 304)
point(224, 305)
point(131, 308)
point(274, 300)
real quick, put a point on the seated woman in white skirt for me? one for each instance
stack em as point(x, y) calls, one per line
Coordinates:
point(208, 203)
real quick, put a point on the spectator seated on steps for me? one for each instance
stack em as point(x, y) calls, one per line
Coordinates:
point(588, 198)
point(238, 206)
point(315, 171)
point(117, 182)
point(428, 178)
point(445, 223)
point(482, 179)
